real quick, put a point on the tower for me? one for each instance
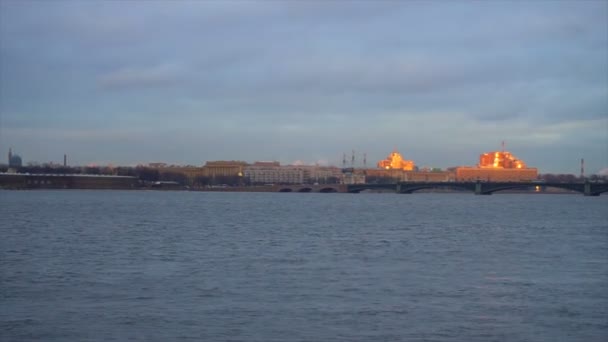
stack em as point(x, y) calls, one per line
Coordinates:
point(65, 160)
point(582, 168)
point(10, 155)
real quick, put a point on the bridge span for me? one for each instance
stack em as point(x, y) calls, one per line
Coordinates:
point(323, 188)
point(481, 188)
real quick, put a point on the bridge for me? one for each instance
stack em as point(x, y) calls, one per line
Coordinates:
point(323, 188)
point(480, 188)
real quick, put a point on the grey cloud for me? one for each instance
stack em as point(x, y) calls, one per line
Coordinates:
point(158, 75)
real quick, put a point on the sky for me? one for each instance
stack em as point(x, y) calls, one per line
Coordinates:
point(184, 82)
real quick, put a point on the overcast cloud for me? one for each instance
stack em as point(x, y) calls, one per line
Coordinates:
point(189, 81)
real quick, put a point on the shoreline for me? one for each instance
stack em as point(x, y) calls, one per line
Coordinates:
point(272, 190)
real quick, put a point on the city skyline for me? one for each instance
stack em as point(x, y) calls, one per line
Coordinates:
point(490, 159)
point(183, 83)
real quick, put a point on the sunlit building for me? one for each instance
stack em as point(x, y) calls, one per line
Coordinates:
point(504, 160)
point(395, 161)
point(498, 166)
point(223, 168)
point(466, 173)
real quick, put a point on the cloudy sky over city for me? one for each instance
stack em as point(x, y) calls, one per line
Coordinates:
point(189, 81)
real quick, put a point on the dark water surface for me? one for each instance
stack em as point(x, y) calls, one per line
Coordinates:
point(168, 266)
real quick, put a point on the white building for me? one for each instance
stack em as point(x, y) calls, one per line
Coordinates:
point(273, 173)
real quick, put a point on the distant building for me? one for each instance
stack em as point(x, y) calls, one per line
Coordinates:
point(322, 174)
point(273, 173)
point(384, 175)
point(223, 168)
point(14, 160)
point(428, 176)
point(395, 161)
point(190, 172)
point(497, 166)
point(465, 173)
point(267, 163)
point(353, 177)
point(500, 159)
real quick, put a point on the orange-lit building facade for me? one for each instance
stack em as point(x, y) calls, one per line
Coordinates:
point(397, 169)
point(499, 166)
point(395, 161)
point(504, 160)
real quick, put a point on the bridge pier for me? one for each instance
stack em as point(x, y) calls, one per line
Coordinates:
point(479, 189)
point(587, 190)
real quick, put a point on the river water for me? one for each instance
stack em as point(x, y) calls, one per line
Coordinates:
point(172, 266)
